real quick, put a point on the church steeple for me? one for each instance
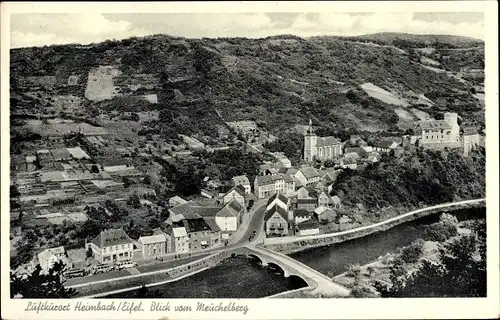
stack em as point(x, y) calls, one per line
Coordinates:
point(310, 128)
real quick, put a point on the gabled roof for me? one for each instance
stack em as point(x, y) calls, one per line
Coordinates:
point(111, 237)
point(336, 199)
point(469, 131)
point(239, 189)
point(309, 172)
point(288, 178)
point(301, 213)
point(358, 150)
point(326, 141)
point(196, 209)
point(178, 199)
point(155, 238)
point(276, 209)
point(232, 209)
point(434, 124)
point(307, 201)
point(278, 196)
point(264, 180)
point(241, 180)
point(308, 224)
point(196, 225)
point(212, 224)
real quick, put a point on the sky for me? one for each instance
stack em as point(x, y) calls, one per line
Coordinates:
point(47, 29)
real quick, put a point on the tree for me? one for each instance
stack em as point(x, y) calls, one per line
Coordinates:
point(134, 201)
point(40, 285)
point(94, 169)
point(412, 253)
point(458, 273)
point(134, 117)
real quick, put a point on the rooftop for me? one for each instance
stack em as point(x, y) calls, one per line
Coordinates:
point(282, 212)
point(111, 237)
point(308, 224)
point(309, 172)
point(326, 141)
point(241, 180)
point(278, 196)
point(301, 213)
point(153, 239)
point(434, 124)
point(179, 232)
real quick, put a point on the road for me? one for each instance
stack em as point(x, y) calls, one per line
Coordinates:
point(378, 224)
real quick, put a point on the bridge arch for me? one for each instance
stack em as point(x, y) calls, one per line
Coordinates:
point(257, 258)
point(279, 268)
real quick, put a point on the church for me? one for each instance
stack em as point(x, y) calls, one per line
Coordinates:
point(321, 148)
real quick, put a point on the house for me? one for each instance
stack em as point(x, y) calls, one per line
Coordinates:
point(336, 202)
point(373, 157)
point(348, 163)
point(154, 245)
point(440, 133)
point(307, 204)
point(48, 257)
point(208, 194)
point(319, 186)
point(300, 215)
point(306, 193)
point(112, 245)
point(385, 146)
point(307, 227)
point(244, 182)
point(236, 193)
point(279, 200)
point(193, 209)
point(175, 201)
point(263, 187)
point(230, 217)
point(330, 176)
point(325, 215)
point(321, 148)
point(210, 183)
point(276, 221)
point(307, 176)
point(324, 200)
point(168, 237)
point(284, 163)
point(266, 186)
point(201, 235)
point(180, 240)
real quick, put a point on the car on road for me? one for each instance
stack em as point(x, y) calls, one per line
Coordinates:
point(125, 265)
point(252, 235)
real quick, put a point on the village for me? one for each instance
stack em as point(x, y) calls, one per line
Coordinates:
point(85, 174)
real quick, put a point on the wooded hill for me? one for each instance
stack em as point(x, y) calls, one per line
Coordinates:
point(278, 81)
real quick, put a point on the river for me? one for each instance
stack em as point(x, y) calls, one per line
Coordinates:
point(243, 278)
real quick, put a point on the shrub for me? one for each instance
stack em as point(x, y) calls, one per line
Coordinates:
point(412, 253)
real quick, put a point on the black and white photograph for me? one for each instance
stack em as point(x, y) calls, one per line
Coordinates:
point(244, 155)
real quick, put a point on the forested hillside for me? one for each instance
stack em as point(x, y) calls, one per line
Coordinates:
point(350, 85)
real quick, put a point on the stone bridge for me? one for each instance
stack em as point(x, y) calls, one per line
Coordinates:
point(317, 282)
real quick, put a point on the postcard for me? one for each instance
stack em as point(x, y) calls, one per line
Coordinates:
point(250, 160)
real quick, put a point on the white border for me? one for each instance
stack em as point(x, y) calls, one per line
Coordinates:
point(285, 308)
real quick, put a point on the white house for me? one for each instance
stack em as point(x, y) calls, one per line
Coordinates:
point(112, 245)
point(276, 221)
point(48, 257)
point(279, 200)
point(180, 240)
point(307, 176)
point(236, 193)
point(230, 217)
point(154, 245)
point(244, 182)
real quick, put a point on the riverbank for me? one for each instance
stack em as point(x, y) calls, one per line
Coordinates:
point(291, 245)
point(364, 277)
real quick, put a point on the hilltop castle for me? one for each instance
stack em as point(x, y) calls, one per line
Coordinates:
point(321, 148)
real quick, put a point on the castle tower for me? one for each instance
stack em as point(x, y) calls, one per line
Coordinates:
point(452, 119)
point(309, 143)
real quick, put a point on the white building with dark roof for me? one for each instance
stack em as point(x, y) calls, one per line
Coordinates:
point(321, 148)
point(244, 182)
point(112, 245)
point(439, 132)
point(154, 245)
